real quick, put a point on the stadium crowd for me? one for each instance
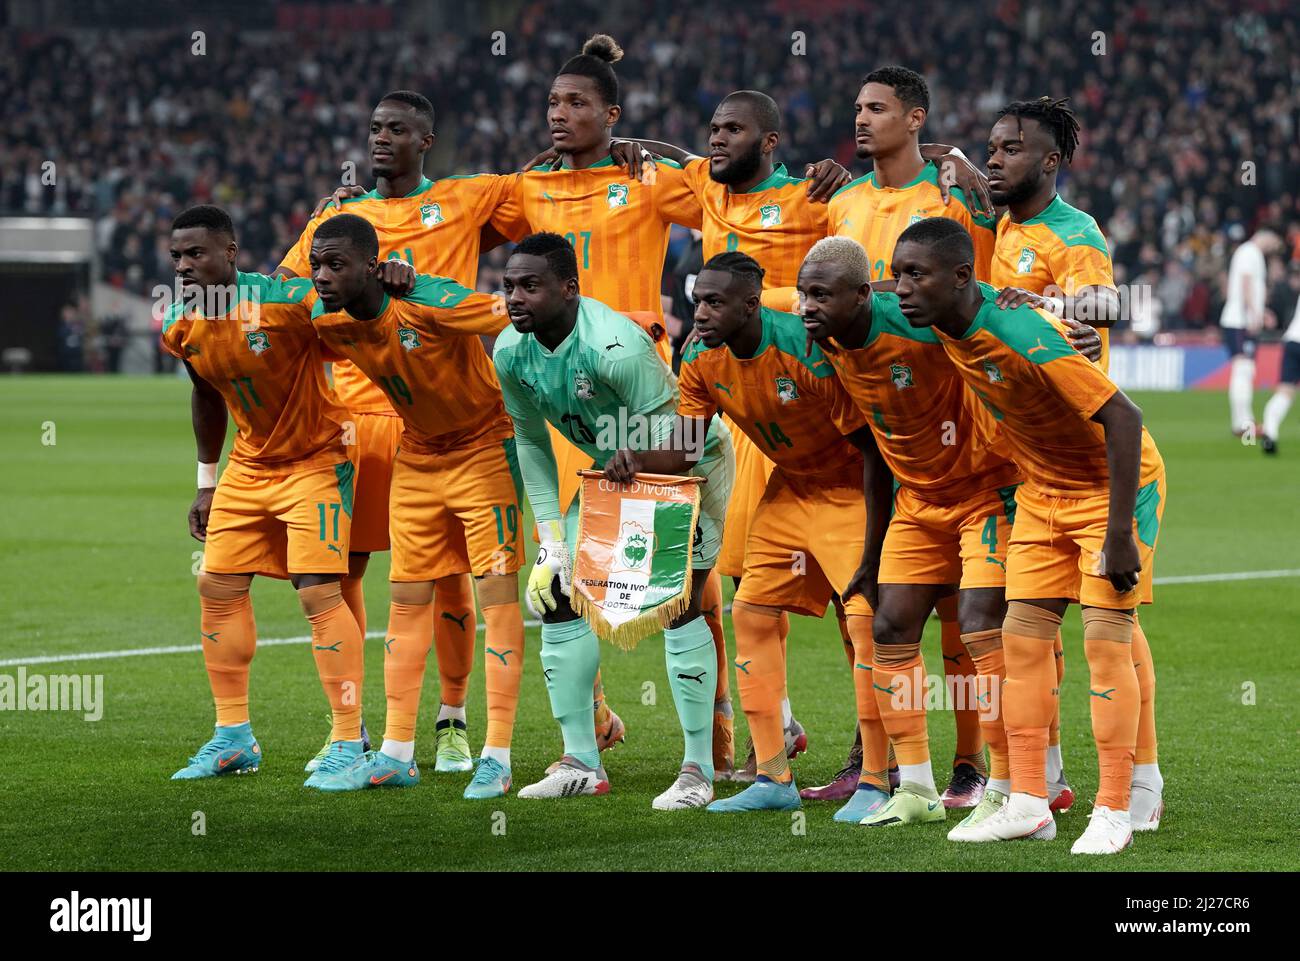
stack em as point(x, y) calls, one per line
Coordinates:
point(1191, 116)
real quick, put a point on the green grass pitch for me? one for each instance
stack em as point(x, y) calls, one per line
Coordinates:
point(97, 557)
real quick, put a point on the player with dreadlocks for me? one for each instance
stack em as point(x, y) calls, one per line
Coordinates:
point(1048, 254)
point(1051, 255)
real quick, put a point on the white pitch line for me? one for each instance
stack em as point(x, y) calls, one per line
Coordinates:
point(530, 622)
point(1235, 576)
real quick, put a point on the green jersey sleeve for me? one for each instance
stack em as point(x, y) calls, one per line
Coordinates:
point(532, 440)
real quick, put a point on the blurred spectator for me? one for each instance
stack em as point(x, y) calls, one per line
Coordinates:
point(1191, 115)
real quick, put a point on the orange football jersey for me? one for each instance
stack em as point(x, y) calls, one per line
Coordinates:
point(424, 353)
point(1042, 394)
point(792, 407)
point(265, 359)
point(616, 225)
point(435, 228)
point(1061, 248)
point(875, 216)
point(774, 221)
point(931, 430)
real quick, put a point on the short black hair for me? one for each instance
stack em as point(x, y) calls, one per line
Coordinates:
point(943, 235)
point(909, 86)
point(417, 102)
point(557, 251)
point(207, 216)
point(1054, 116)
point(350, 227)
point(594, 62)
point(738, 264)
point(765, 110)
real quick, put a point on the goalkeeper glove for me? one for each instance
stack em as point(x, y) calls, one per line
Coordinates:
point(553, 560)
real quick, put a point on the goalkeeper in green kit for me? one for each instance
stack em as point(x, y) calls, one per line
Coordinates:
point(583, 367)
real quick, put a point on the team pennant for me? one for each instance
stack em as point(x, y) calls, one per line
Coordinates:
point(632, 571)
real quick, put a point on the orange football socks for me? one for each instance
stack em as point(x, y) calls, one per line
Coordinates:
point(406, 652)
point(229, 638)
point(1030, 694)
point(760, 675)
point(1113, 695)
point(711, 608)
point(959, 670)
point(898, 683)
point(1146, 672)
point(340, 657)
point(1054, 732)
point(455, 632)
point(503, 663)
point(985, 650)
point(354, 595)
point(875, 742)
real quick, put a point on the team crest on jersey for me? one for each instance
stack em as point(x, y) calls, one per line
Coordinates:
point(583, 389)
point(408, 337)
point(258, 341)
point(991, 369)
point(901, 375)
point(431, 214)
point(1026, 262)
point(786, 390)
point(770, 214)
point(616, 195)
point(917, 217)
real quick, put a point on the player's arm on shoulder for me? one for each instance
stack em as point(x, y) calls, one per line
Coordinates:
point(1121, 419)
point(956, 170)
point(824, 178)
point(449, 308)
point(209, 417)
point(877, 491)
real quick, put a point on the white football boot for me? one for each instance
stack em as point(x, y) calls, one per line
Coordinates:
point(690, 790)
point(1108, 832)
point(571, 778)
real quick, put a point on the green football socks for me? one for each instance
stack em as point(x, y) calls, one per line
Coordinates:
point(692, 674)
point(570, 659)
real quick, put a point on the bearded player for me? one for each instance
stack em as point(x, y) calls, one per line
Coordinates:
point(1051, 255)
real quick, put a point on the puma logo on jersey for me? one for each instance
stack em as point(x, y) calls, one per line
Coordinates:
point(613, 345)
point(697, 678)
point(528, 385)
point(334, 548)
point(722, 387)
point(1041, 346)
point(191, 350)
